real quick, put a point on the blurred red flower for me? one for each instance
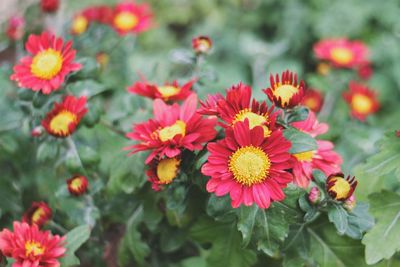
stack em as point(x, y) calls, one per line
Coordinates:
point(38, 214)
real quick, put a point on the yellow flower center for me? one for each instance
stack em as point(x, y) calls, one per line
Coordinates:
point(203, 45)
point(341, 187)
point(126, 21)
point(33, 248)
point(285, 92)
point(168, 90)
point(304, 156)
point(37, 215)
point(47, 64)
point(60, 123)
point(254, 120)
point(79, 24)
point(76, 184)
point(249, 165)
point(323, 68)
point(342, 55)
point(167, 170)
point(169, 132)
point(361, 103)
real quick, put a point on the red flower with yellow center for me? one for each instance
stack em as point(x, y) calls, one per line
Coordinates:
point(77, 185)
point(38, 214)
point(79, 24)
point(248, 166)
point(167, 92)
point(132, 17)
point(313, 99)
point(29, 246)
point(342, 53)
point(173, 128)
point(201, 44)
point(48, 66)
point(324, 158)
point(163, 172)
point(16, 28)
point(285, 92)
point(340, 188)
point(238, 106)
point(362, 101)
point(65, 116)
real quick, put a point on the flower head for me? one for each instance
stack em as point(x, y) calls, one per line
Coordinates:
point(173, 128)
point(29, 246)
point(340, 188)
point(249, 166)
point(49, 6)
point(313, 99)
point(65, 116)
point(362, 101)
point(38, 214)
point(130, 17)
point(99, 13)
point(238, 106)
point(167, 92)
point(210, 106)
point(77, 185)
point(311, 125)
point(50, 62)
point(37, 131)
point(163, 172)
point(365, 70)
point(80, 24)
point(285, 92)
point(342, 53)
point(201, 44)
point(16, 27)
point(314, 196)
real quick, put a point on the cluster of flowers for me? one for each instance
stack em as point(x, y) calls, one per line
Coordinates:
point(252, 162)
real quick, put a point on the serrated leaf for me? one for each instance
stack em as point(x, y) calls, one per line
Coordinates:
point(74, 240)
point(382, 241)
point(338, 216)
point(301, 142)
point(359, 221)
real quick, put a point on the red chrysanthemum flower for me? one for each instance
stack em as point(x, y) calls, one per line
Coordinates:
point(163, 172)
point(77, 185)
point(362, 100)
point(210, 106)
point(201, 44)
point(50, 62)
point(49, 6)
point(238, 106)
point(65, 116)
point(132, 17)
point(285, 92)
point(15, 28)
point(173, 128)
point(248, 166)
point(38, 214)
point(167, 92)
point(324, 158)
point(342, 53)
point(101, 14)
point(30, 247)
point(313, 99)
point(340, 188)
point(79, 25)
point(365, 70)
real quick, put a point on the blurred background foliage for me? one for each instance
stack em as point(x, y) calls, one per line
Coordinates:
point(252, 38)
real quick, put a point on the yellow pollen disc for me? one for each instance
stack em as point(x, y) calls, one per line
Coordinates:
point(39, 212)
point(285, 92)
point(47, 64)
point(169, 132)
point(312, 103)
point(341, 55)
point(204, 45)
point(60, 123)
point(167, 170)
point(33, 248)
point(126, 21)
point(168, 91)
point(249, 165)
point(341, 187)
point(76, 184)
point(323, 68)
point(79, 24)
point(304, 156)
point(254, 120)
point(361, 103)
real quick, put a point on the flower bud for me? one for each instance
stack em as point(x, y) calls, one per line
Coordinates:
point(398, 133)
point(340, 188)
point(38, 214)
point(315, 195)
point(350, 203)
point(49, 6)
point(201, 44)
point(77, 185)
point(37, 131)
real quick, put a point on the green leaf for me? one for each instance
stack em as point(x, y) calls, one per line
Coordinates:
point(338, 216)
point(319, 178)
point(88, 88)
point(299, 113)
point(382, 241)
point(359, 221)
point(301, 142)
point(74, 240)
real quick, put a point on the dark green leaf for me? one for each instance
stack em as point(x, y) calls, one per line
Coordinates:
point(301, 142)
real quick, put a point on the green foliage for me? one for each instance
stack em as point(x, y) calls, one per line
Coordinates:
point(74, 240)
point(301, 142)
